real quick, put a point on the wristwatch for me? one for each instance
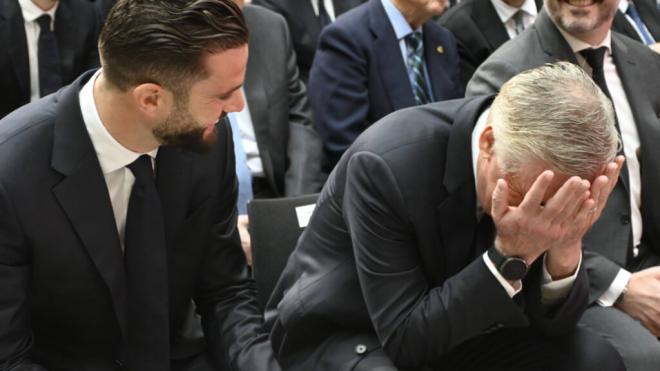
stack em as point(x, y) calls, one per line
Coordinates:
point(513, 268)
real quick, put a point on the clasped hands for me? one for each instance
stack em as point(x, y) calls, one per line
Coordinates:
point(554, 226)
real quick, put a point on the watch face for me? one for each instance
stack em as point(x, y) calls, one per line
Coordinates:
point(513, 268)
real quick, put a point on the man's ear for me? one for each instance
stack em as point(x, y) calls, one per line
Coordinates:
point(152, 100)
point(487, 142)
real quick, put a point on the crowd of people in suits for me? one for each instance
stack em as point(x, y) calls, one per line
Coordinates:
point(486, 172)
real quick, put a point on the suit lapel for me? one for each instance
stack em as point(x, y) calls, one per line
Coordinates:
point(457, 214)
point(646, 119)
point(83, 195)
point(488, 21)
point(391, 67)
point(66, 31)
point(17, 48)
point(436, 62)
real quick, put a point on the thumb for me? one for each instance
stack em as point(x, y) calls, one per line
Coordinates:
point(500, 203)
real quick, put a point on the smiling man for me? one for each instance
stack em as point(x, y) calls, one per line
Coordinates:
point(623, 248)
point(449, 238)
point(117, 204)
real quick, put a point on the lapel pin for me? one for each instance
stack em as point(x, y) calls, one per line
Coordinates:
point(440, 49)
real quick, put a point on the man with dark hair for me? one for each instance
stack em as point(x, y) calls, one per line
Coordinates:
point(46, 45)
point(117, 204)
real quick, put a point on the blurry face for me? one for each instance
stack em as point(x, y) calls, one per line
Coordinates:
point(583, 17)
point(191, 122)
point(432, 7)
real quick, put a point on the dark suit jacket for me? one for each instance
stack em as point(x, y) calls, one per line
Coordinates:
point(76, 28)
point(389, 252)
point(289, 145)
point(304, 26)
point(478, 31)
point(650, 15)
point(609, 241)
point(359, 75)
point(63, 278)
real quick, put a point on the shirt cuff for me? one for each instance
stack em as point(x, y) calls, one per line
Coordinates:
point(555, 291)
point(512, 290)
point(616, 288)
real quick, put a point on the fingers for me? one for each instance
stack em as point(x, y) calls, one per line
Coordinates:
point(566, 201)
point(500, 201)
point(534, 197)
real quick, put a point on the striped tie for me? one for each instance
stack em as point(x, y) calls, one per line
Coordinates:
point(416, 68)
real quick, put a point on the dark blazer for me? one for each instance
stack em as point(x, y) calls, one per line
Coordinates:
point(63, 278)
point(609, 241)
point(388, 254)
point(304, 26)
point(76, 28)
point(650, 14)
point(478, 30)
point(289, 145)
point(359, 75)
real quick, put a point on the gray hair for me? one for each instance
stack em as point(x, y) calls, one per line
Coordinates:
point(555, 114)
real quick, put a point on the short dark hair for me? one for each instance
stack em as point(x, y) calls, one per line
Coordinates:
point(165, 41)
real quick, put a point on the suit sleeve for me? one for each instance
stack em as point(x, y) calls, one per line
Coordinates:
point(338, 90)
point(225, 296)
point(303, 176)
point(417, 323)
point(15, 333)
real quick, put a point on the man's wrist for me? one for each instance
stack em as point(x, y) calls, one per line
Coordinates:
point(562, 262)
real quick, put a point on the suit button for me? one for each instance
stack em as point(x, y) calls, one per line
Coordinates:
point(360, 349)
point(625, 219)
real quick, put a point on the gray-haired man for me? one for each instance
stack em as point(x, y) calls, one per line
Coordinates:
point(450, 237)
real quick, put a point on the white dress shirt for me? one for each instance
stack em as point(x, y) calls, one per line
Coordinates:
point(249, 140)
point(32, 30)
point(506, 13)
point(623, 7)
point(631, 143)
point(112, 156)
point(551, 291)
point(329, 8)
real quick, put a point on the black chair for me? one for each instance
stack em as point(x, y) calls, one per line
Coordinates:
point(274, 231)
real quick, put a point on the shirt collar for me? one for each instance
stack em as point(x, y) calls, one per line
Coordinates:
point(401, 26)
point(578, 45)
point(506, 11)
point(623, 6)
point(31, 11)
point(111, 154)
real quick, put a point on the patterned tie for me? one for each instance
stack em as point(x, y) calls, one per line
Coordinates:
point(518, 22)
point(324, 17)
point(147, 342)
point(50, 76)
point(641, 27)
point(242, 170)
point(416, 68)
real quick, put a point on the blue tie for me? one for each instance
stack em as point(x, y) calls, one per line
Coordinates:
point(48, 56)
point(634, 14)
point(416, 68)
point(242, 171)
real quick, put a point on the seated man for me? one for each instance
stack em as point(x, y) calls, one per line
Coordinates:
point(455, 243)
point(382, 56)
point(118, 204)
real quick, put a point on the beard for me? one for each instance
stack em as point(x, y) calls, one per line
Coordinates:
point(578, 21)
point(181, 130)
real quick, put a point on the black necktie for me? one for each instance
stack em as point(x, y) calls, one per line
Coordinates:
point(595, 58)
point(48, 55)
point(324, 17)
point(146, 272)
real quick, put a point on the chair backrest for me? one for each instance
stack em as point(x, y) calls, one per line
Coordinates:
point(275, 225)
